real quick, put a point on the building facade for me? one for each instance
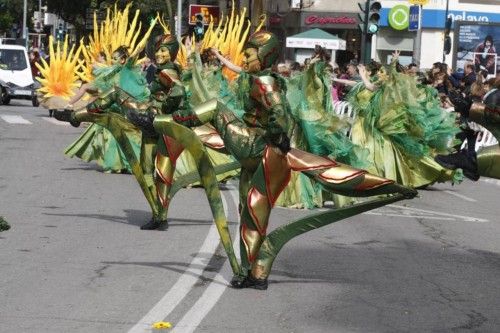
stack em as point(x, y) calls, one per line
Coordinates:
point(337, 17)
point(433, 25)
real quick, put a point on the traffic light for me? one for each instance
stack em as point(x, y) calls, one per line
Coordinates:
point(369, 17)
point(447, 38)
point(199, 27)
point(60, 31)
point(374, 17)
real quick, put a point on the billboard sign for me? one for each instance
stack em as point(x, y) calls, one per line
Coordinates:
point(208, 13)
point(477, 43)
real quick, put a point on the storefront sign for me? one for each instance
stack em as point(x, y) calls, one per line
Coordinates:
point(419, 2)
point(435, 18)
point(399, 17)
point(322, 20)
point(329, 20)
point(310, 43)
point(208, 13)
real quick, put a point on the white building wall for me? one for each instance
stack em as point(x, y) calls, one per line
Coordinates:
point(485, 6)
point(432, 48)
point(316, 5)
point(330, 5)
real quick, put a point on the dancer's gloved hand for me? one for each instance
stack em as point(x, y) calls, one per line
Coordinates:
point(279, 140)
point(66, 115)
point(142, 120)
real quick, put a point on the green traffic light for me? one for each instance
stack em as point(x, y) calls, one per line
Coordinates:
point(372, 28)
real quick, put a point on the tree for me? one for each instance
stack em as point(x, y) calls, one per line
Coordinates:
point(11, 13)
point(74, 12)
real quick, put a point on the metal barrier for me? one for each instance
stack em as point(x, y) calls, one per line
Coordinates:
point(484, 137)
point(344, 110)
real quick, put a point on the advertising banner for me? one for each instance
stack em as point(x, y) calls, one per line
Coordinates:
point(206, 11)
point(477, 43)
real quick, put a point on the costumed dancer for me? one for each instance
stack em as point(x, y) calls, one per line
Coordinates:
point(260, 142)
point(314, 129)
point(104, 110)
point(487, 114)
point(105, 63)
point(97, 143)
point(402, 126)
point(169, 95)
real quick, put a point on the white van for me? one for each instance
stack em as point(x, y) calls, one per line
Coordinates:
point(16, 81)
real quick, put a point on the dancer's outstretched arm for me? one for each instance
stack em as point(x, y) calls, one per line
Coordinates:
point(226, 62)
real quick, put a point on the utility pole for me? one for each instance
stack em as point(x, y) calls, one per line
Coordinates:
point(178, 28)
point(25, 28)
point(41, 19)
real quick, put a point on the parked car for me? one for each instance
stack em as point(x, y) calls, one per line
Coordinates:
point(16, 80)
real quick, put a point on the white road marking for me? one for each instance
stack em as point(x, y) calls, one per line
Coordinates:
point(490, 181)
point(461, 196)
point(415, 216)
point(182, 287)
point(184, 284)
point(212, 294)
point(56, 122)
point(417, 213)
point(16, 120)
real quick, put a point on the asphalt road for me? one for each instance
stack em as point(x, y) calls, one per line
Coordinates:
point(76, 261)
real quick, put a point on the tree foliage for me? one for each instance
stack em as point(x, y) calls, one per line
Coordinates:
point(11, 14)
point(74, 12)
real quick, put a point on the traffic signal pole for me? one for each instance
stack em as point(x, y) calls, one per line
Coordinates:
point(369, 27)
point(445, 20)
point(366, 41)
point(417, 41)
point(364, 31)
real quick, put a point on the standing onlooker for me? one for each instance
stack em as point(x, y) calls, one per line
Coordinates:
point(150, 70)
point(412, 69)
point(294, 68)
point(34, 59)
point(468, 79)
point(352, 72)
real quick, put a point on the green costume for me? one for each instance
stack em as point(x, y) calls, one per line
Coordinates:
point(403, 127)
point(97, 143)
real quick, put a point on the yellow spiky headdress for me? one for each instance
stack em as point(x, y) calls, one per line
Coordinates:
point(229, 37)
point(115, 31)
point(59, 78)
